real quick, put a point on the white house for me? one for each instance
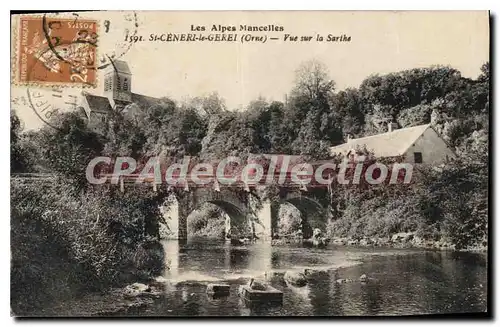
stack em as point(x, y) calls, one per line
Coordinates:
point(417, 144)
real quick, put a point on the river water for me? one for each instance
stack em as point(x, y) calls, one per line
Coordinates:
point(402, 282)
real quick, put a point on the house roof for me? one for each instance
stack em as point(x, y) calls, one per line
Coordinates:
point(390, 144)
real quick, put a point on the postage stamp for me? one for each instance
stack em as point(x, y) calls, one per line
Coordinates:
point(56, 51)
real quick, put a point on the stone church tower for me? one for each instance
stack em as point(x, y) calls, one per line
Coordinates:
point(117, 95)
point(118, 84)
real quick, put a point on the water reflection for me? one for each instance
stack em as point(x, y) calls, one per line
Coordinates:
point(402, 282)
point(207, 261)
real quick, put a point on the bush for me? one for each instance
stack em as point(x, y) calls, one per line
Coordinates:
point(448, 202)
point(64, 243)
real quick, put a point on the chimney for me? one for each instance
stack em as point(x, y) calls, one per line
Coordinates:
point(392, 127)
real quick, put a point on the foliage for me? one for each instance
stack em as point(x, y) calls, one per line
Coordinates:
point(449, 202)
point(414, 116)
point(94, 239)
point(289, 220)
point(96, 235)
point(207, 221)
point(69, 148)
point(18, 154)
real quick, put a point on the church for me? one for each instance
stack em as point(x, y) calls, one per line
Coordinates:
point(117, 94)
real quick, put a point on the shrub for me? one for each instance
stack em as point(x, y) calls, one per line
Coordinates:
point(64, 243)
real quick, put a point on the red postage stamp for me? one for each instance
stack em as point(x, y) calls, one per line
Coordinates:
point(56, 51)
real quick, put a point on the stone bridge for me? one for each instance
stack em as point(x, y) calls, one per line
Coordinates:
point(249, 215)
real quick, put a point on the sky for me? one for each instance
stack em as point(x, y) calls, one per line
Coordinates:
point(381, 42)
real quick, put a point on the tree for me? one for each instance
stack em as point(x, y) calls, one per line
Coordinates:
point(124, 137)
point(18, 156)
point(312, 81)
point(281, 132)
point(309, 141)
point(348, 110)
point(70, 147)
point(409, 88)
point(414, 116)
point(210, 104)
point(310, 99)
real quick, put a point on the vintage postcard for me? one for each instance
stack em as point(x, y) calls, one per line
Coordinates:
point(250, 163)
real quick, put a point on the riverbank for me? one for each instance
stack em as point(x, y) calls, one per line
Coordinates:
point(397, 241)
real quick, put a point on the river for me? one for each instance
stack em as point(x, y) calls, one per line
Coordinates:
point(402, 282)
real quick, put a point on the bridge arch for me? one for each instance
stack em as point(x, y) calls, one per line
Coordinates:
point(243, 220)
point(313, 213)
point(231, 202)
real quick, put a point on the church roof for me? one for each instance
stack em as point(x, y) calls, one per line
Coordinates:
point(101, 104)
point(120, 66)
point(390, 144)
point(144, 101)
point(98, 103)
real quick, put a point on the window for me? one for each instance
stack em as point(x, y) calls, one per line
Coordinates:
point(417, 156)
point(125, 84)
point(118, 83)
point(107, 84)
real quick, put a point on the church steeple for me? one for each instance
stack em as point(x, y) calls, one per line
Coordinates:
point(118, 84)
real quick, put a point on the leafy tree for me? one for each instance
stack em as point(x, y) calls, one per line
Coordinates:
point(123, 137)
point(414, 116)
point(211, 104)
point(70, 147)
point(308, 141)
point(349, 109)
point(410, 87)
point(18, 156)
point(310, 101)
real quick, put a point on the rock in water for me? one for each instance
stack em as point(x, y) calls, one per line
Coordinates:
point(274, 276)
point(317, 233)
point(161, 279)
point(241, 290)
point(240, 241)
point(218, 289)
point(296, 278)
point(257, 285)
point(136, 289)
point(236, 242)
point(269, 296)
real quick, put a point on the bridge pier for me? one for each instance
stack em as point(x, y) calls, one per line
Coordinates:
point(267, 220)
point(175, 214)
point(182, 223)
